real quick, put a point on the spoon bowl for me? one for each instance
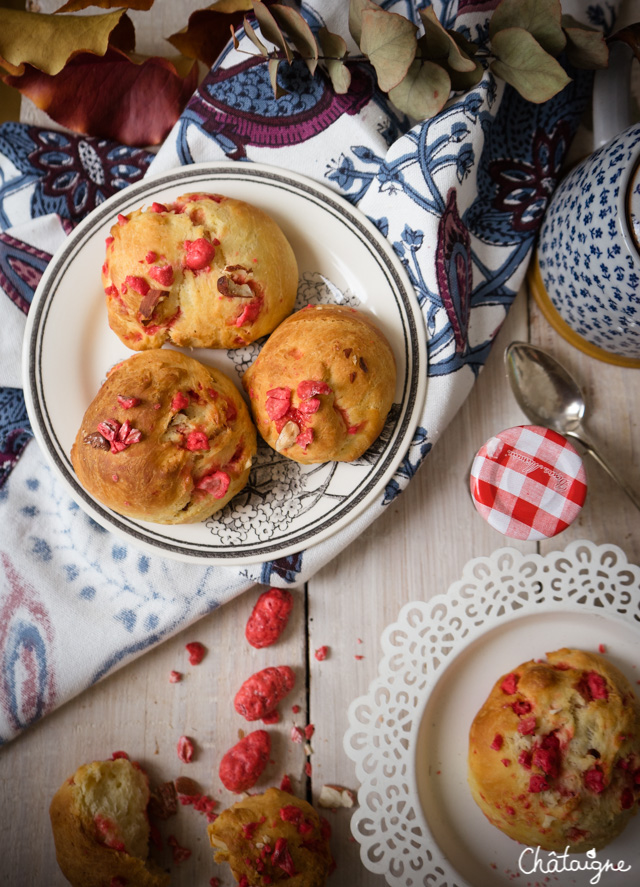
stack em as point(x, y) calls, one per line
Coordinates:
point(549, 396)
point(545, 391)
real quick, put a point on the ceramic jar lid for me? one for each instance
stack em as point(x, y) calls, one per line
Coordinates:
point(528, 482)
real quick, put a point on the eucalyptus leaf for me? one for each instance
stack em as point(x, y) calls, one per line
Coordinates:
point(522, 62)
point(463, 80)
point(423, 92)
point(270, 29)
point(251, 34)
point(334, 50)
point(586, 47)
point(278, 91)
point(355, 17)
point(294, 26)
point(541, 18)
point(389, 42)
point(440, 45)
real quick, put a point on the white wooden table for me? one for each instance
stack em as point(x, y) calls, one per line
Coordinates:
point(415, 550)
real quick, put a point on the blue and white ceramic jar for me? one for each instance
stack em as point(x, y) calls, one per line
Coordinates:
point(589, 248)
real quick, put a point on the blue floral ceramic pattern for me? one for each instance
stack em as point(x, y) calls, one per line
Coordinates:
point(588, 258)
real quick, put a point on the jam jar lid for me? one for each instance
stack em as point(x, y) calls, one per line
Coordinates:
point(528, 482)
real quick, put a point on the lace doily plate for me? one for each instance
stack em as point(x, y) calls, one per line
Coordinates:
point(416, 821)
point(342, 258)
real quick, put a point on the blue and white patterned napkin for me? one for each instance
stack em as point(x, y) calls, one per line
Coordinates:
point(459, 197)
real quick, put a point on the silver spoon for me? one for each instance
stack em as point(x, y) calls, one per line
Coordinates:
point(550, 397)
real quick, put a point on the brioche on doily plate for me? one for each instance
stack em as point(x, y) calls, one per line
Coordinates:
point(166, 439)
point(554, 752)
point(204, 271)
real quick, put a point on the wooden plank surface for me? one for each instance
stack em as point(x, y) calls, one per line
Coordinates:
point(415, 550)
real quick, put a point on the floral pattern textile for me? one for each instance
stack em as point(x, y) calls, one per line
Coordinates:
point(475, 181)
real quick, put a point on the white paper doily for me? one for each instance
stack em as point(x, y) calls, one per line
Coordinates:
point(416, 821)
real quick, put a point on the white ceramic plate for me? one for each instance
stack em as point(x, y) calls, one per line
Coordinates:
point(342, 258)
point(417, 823)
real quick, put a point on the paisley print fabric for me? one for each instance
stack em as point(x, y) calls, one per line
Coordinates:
point(474, 182)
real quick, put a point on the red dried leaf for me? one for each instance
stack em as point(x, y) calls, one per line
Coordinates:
point(112, 96)
point(206, 35)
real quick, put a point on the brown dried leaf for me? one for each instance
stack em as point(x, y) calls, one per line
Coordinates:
point(269, 28)
point(47, 42)
point(251, 34)
point(389, 41)
point(299, 32)
point(278, 91)
point(77, 5)
point(423, 92)
point(207, 32)
point(334, 50)
point(112, 96)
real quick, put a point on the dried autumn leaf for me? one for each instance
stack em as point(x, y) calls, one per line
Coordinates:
point(291, 22)
point(356, 8)
point(334, 50)
point(440, 44)
point(278, 91)
point(423, 92)
point(269, 28)
point(389, 42)
point(112, 96)
point(207, 32)
point(77, 5)
point(586, 47)
point(522, 62)
point(541, 18)
point(251, 34)
point(47, 42)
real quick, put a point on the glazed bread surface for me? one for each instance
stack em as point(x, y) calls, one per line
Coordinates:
point(554, 752)
point(271, 838)
point(166, 440)
point(100, 827)
point(323, 384)
point(205, 271)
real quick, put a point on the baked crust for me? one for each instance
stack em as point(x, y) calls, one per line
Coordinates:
point(554, 752)
point(196, 440)
point(323, 384)
point(82, 846)
point(247, 834)
point(206, 271)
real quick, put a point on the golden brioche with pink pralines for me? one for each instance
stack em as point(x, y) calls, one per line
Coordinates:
point(205, 271)
point(166, 439)
point(554, 752)
point(323, 384)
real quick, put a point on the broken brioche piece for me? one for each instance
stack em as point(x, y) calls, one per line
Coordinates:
point(206, 271)
point(166, 440)
point(323, 385)
point(554, 752)
point(272, 838)
point(101, 829)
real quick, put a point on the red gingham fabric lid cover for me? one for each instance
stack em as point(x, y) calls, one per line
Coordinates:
point(528, 482)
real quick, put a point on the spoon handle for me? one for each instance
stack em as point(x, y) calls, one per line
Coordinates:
point(593, 452)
